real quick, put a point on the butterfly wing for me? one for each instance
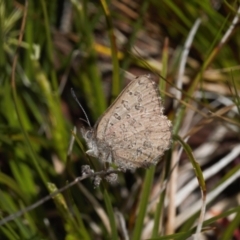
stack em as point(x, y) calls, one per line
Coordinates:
point(134, 127)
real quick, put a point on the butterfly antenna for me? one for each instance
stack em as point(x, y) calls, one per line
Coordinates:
point(79, 104)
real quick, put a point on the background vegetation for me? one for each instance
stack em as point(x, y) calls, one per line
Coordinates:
point(191, 47)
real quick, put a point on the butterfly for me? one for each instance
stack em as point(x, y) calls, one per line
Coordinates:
point(133, 132)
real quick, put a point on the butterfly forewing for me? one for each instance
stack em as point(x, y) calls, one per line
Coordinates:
point(134, 126)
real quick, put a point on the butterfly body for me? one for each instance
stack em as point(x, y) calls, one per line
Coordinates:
point(133, 132)
point(97, 148)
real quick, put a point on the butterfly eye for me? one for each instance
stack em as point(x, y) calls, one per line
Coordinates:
point(89, 134)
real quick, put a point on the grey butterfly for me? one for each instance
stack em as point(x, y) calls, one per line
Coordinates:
point(133, 132)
